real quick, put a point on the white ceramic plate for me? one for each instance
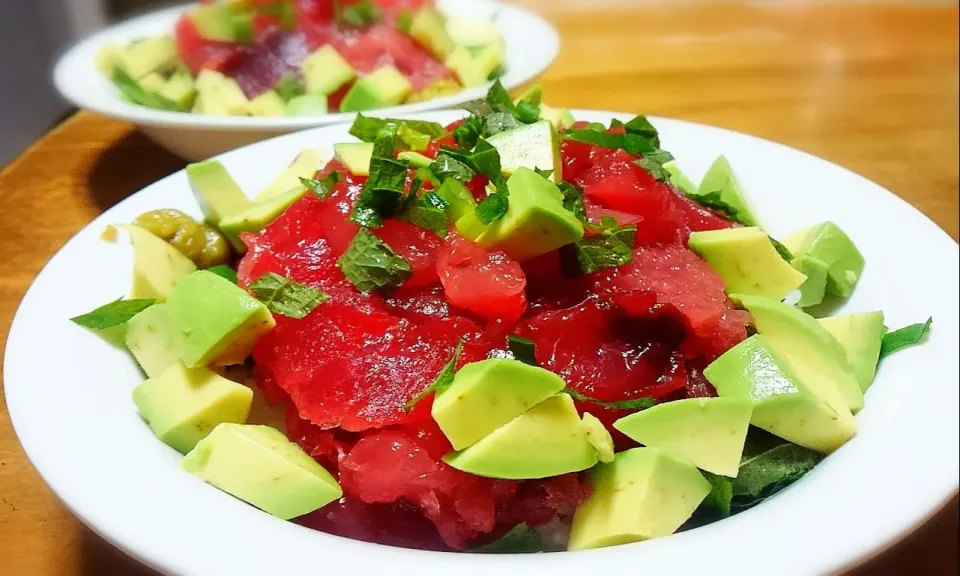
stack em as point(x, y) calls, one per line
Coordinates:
point(531, 45)
point(69, 399)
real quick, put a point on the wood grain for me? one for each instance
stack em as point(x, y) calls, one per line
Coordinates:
point(871, 87)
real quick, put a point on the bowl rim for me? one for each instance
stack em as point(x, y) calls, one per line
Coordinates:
point(75, 69)
point(861, 542)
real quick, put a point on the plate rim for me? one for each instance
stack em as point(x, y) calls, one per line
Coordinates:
point(931, 503)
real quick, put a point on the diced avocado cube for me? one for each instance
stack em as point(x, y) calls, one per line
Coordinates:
point(182, 405)
point(812, 352)
point(861, 336)
point(219, 22)
point(814, 288)
point(325, 71)
point(536, 221)
point(305, 165)
point(472, 32)
point(720, 178)
point(180, 89)
point(258, 465)
point(307, 105)
point(216, 321)
point(151, 339)
point(220, 96)
point(108, 57)
point(217, 193)
point(268, 103)
point(459, 200)
point(356, 156)
point(416, 160)
point(642, 494)
point(152, 82)
point(530, 146)
point(784, 403)
point(436, 89)
point(561, 118)
point(386, 86)
point(599, 437)
point(429, 29)
point(679, 179)
point(706, 432)
point(547, 440)
point(157, 265)
point(747, 262)
point(148, 55)
point(475, 68)
point(828, 243)
point(487, 394)
point(262, 213)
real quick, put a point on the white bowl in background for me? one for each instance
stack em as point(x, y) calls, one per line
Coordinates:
point(531, 45)
point(68, 395)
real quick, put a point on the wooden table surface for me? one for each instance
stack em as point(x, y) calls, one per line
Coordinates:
point(873, 87)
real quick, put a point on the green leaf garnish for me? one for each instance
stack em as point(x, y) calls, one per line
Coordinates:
point(610, 249)
point(466, 134)
point(640, 126)
point(357, 15)
point(368, 129)
point(286, 297)
point(720, 498)
point(782, 250)
point(634, 404)
point(384, 187)
point(113, 314)
point(573, 200)
point(443, 380)
point(446, 166)
point(288, 87)
point(713, 201)
point(521, 539)
point(654, 168)
point(323, 187)
point(527, 112)
point(904, 337)
point(134, 92)
point(493, 207)
point(764, 474)
point(497, 72)
point(224, 271)
point(544, 173)
point(497, 122)
point(522, 349)
point(370, 264)
point(428, 217)
point(499, 99)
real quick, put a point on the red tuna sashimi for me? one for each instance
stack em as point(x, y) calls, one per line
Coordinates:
point(198, 53)
point(488, 284)
point(381, 45)
point(275, 54)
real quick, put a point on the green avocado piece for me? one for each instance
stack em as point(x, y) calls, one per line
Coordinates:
point(260, 214)
point(356, 156)
point(536, 221)
point(472, 32)
point(325, 71)
point(152, 82)
point(831, 245)
point(157, 265)
point(488, 394)
point(529, 146)
point(679, 179)
point(182, 405)
point(307, 105)
point(217, 194)
point(474, 68)
point(814, 287)
point(219, 95)
point(428, 28)
point(460, 201)
point(148, 55)
point(269, 103)
point(561, 118)
point(180, 89)
point(599, 437)
point(747, 262)
point(305, 165)
point(547, 440)
point(385, 86)
point(414, 159)
point(784, 403)
point(642, 494)
point(720, 178)
point(860, 335)
point(216, 321)
point(706, 432)
point(260, 466)
point(813, 353)
point(213, 22)
point(152, 340)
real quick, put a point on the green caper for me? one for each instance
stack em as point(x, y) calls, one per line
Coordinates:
point(215, 251)
point(180, 230)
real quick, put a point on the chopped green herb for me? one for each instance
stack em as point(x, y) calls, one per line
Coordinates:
point(385, 185)
point(370, 264)
point(443, 380)
point(322, 187)
point(527, 113)
point(764, 474)
point(720, 498)
point(357, 15)
point(434, 200)
point(522, 349)
point(113, 314)
point(596, 127)
point(610, 249)
point(286, 297)
point(446, 166)
point(497, 72)
point(428, 217)
point(417, 141)
point(713, 201)
point(467, 133)
point(498, 98)
point(642, 127)
point(573, 200)
point(654, 168)
point(478, 108)
point(659, 156)
point(521, 539)
point(634, 404)
point(498, 122)
point(368, 129)
point(288, 87)
point(545, 173)
point(134, 92)
point(224, 271)
point(404, 21)
point(782, 250)
point(493, 207)
point(486, 160)
point(906, 336)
